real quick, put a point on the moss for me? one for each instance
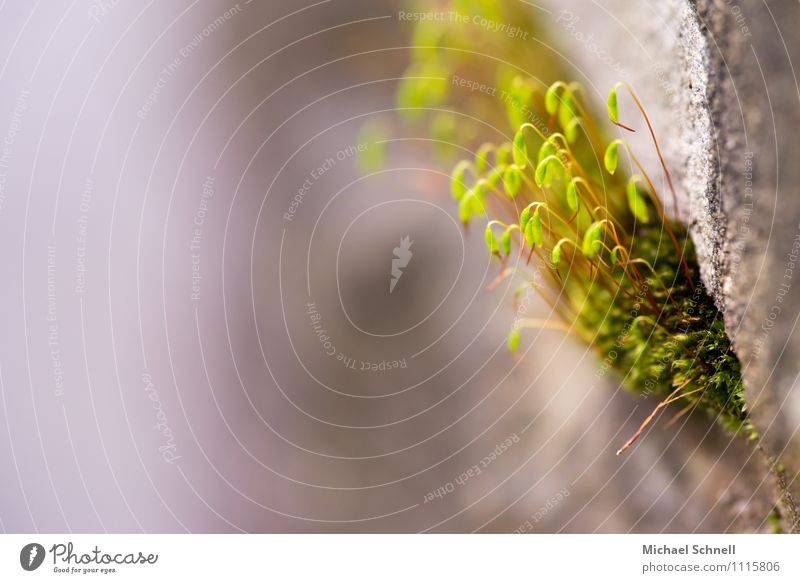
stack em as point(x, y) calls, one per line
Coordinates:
point(555, 195)
point(686, 345)
point(774, 522)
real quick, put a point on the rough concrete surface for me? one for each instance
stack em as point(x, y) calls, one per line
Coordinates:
point(753, 98)
point(717, 77)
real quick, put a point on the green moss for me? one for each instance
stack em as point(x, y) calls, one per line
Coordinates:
point(551, 187)
point(684, 345)
point(774, 522)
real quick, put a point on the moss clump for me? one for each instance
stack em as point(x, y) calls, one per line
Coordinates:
point(686, 346)
point(560, 198)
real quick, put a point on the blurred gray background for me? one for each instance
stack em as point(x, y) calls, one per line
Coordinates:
point(161, 370)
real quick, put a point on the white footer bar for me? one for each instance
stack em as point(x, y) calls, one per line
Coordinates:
point(356, 558)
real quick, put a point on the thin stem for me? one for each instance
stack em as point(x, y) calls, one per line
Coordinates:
point(662, 215)
point(655, 142)
point(672, 397)
point(548, 324)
